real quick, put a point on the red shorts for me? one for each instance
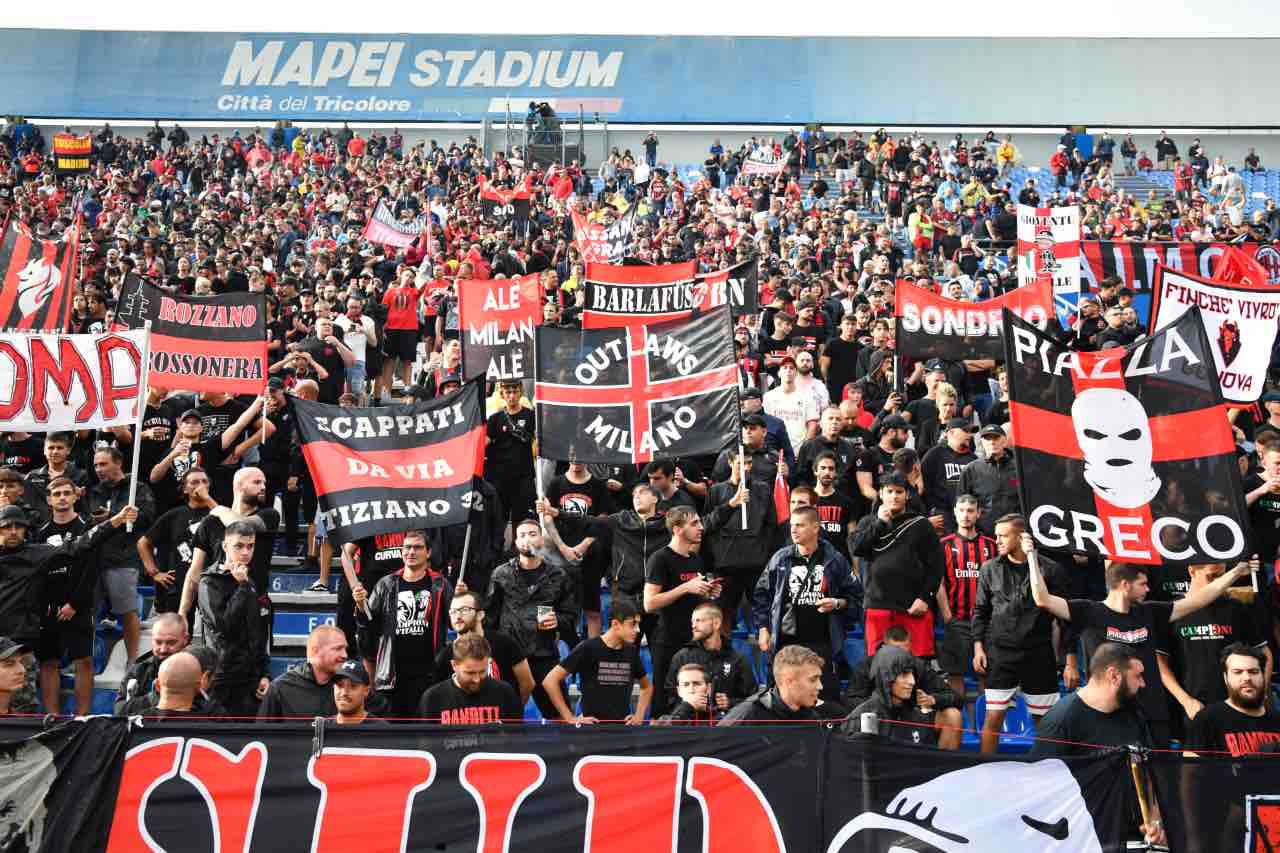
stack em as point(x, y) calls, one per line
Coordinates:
point(920, 628)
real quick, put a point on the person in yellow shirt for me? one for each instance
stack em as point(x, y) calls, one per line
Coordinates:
point(1006, 155)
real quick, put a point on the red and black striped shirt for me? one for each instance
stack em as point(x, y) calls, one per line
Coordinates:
point(963, 559)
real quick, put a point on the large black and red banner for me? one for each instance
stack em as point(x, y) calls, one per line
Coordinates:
point(1105, 466)
point(292, 788)
point(497, 317)
point(394, 468)
point(932, 326)
point(39, 279)
point(635, 295)
point(503, 206)
point(72, 153)
point(634, 393)
point(1134, 263)
point(216, 344)
point(737, 286)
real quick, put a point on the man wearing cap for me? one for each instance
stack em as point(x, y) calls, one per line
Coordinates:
point(940, 468)
point(993, 479)
point(350, 692)
point(775, 437)
point(508, 452)
point(796, 408)
point(904, 566)
point(15, 698)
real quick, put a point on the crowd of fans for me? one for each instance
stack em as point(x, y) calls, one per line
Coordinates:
point(903, 520)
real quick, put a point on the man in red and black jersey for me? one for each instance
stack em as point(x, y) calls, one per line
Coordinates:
point(750, 362)
point(963, 553)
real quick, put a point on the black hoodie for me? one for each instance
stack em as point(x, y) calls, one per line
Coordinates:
point(904, 560)
point(905, 722)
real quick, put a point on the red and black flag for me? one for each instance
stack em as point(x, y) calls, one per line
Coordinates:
point(632, 394)
point(72, 153)
point(506, 206)
point(1134, 263)
point(393, 468)
point(216, 344)
point(635, 295)
point(738, 287)
point(932, 326)
point(497, 317)
point(39, 279)
point(1126, 453)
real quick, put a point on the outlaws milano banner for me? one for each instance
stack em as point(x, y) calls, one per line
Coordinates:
point(384, 227)
point(394, 468)
point(1240, 321)
point(66, 382)
point(603, 244)
point(654, 293)
point(216, 344)
point(498, 317)
point(499, 205)
point(602, 789)
point(39, 279)
point(1125, 453)
point(630, 394)
point(932, 326)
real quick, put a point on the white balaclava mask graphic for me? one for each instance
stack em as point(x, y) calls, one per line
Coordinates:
point(1115, 437)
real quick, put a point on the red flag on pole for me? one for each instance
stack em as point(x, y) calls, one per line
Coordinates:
point(781, 494)
point(1238, 267)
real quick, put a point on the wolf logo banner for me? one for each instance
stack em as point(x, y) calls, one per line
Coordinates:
point(930, 326)
point(216, 344)
point(631, 394)
point(394, 468)
point(1049, 247)
point(39, 279)
point(384, 227)
point(1104, 464)
point(1241, 321)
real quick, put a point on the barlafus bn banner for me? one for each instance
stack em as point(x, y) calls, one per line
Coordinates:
point(39, 279)
point(1104, 463)
point(653, 293)
point(603, 244)
point(498, 317)
point(932, 326)
point(384, 227)
point(393, 468)
point(69, 382)
point(634, 393)
point(1240, 321)
point(738, 287)
point(216, 344)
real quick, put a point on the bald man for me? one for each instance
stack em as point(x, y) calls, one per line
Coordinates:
point(177, 683)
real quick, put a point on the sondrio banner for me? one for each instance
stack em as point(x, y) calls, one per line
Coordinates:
point(394, 468)
point(1125, 453)
point(932, 326)
point(216, 344)
point(497, 318)
point(57, 383)
point(384, 227)
point(1240, 321)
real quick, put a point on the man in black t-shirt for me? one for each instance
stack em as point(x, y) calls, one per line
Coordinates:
point(578, 493)
point(675, 583)
point(508, 454)
point(606, 666)
point(364, 563)
point(471, 695)
point(835, 509)
point(507, 661)
point(1245, 723)
point(1104, 712)
point(1125, 617)
point(168, 548)
point(332, 355)
point(940, 469)
point(1262, 494)
point(67, 626)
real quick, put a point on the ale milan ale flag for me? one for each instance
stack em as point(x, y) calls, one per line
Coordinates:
point(632, 394)
point(69, 382)
point(39, 279)
point(498, 317)
point(738, 287)
point(603, 244)
point(1049, 247)
point(635, 295)
point(932, 326)
point(499, 205)
point(1125, 453)
point(393, 468)
point(384, 227)
point(216, 344)
point(1240, 322)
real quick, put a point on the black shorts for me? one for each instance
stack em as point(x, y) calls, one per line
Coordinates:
point(1033, 670)
point(401, 344)
point(955, 655)
point(58, 639)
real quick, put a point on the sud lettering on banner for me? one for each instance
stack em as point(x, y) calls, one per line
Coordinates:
point(498, 317)
point(1048, 249)
point(1105, 467)
point(70, 382)
point(630, 394)
point(384, 227)
point(502, 206)
point(932, 326)
point(394, 468)
point(1240, 321)
point(216, 344)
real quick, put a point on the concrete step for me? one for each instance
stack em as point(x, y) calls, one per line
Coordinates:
point(305, 599)
point(296, 582)
point(291, 628)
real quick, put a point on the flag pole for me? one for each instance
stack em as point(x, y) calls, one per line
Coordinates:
point(466, 550)
point(144, 390)
point(742, 478)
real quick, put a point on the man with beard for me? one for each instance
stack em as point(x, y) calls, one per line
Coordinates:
point(1102, 713)
point(1243, 724)
point(471, 695)
point(993, 480)
point(875, 463)
point(364, 563)
point(796, 408)
point(507, 660)
point(828, 440)
point(806, 381)
point(728, 674)
point(350, 693)
point(170, 543)
point(168, 637)
point(941, 466)
point(904, 567)
point(249, 488)
point(834, 507)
